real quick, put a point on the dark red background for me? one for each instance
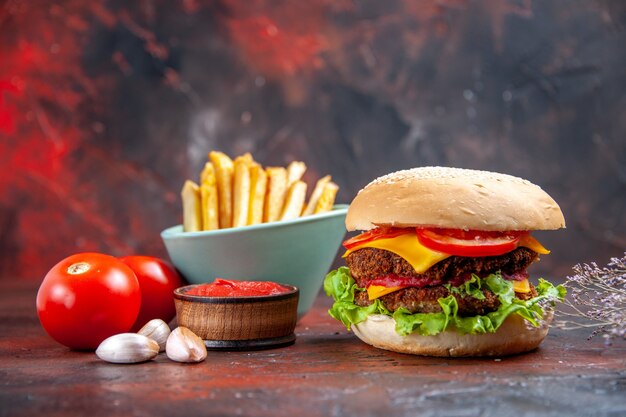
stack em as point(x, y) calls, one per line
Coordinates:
point(107, 106)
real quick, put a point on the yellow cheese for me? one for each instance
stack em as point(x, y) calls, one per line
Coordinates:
point(407, 246)
point(533, 244)
point(375, 291)
point(521, 286)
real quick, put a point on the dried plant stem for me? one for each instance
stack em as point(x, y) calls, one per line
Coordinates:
point(597, 299)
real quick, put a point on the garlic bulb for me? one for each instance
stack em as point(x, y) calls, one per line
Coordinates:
point(157, 330)
point(127, 348)
point(183, 345)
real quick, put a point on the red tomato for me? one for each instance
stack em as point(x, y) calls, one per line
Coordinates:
point(375, 234)
point(158, 280)
point(469, 243)
point(86, 298)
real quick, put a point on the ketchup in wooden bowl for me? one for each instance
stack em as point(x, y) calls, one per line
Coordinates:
point(227, 288)
point(239, 315)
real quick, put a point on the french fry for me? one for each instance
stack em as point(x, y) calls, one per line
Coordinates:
point(276, 190)
point(315, 195)
point(224, 175)
point(327, 199)
point(192, 218)
point(294, 201)
point(241, 191)
point(209, 206)
point(295, 170)
point(209, 198)
point(206, 171)
point(258, 186)
point(247, 157)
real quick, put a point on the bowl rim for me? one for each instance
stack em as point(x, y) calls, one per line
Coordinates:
point(179, 294)
point(176, 231)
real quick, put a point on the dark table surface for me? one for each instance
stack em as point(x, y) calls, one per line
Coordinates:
point(326, 372)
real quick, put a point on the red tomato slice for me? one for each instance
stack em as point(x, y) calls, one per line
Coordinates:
point(471, 243)
point(375, 234)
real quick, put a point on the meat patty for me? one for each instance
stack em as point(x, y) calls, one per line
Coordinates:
point(424, 300)
point(370, 263)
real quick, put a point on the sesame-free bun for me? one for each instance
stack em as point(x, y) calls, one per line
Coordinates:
point(515, 335)
point(453, 198)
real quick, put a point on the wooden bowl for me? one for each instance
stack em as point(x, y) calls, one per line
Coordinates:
point(239, 323)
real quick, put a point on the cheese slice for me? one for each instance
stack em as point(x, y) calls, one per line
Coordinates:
point(531, 243)
point(521, 286)
point(407, 246)
point(376, 291)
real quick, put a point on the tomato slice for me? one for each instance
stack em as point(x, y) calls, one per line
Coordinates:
point(470, 243)
point(375, 234)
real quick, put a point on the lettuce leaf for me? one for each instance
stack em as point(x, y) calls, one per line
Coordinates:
point(342, 287)
point(472, 287)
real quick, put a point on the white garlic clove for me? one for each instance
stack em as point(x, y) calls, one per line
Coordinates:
point(127, 348)
point(183, 345)
point(157, 330)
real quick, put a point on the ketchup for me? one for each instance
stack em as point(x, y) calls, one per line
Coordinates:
point(392, 280)
point(226, 288)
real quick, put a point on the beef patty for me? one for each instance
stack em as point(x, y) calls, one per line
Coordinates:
point(424, 300)
point(370, 263)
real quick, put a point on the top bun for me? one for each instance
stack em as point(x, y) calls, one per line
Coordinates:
point(453, 198)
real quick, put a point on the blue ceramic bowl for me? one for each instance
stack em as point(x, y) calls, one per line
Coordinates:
point(298, 252)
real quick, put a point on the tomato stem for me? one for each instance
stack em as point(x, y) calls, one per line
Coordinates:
point(78, 268)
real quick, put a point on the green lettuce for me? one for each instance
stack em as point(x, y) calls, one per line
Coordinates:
point(342, 287)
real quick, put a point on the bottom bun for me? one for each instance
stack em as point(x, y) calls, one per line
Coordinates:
point(515, 335)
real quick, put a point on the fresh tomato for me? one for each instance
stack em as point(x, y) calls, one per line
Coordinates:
point(86, 298)
point(375, 234)
point(157, 279)
point(471, 243)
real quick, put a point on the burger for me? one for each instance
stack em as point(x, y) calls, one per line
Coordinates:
point(440, 268)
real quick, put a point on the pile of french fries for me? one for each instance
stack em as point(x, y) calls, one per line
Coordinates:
point(241, 192)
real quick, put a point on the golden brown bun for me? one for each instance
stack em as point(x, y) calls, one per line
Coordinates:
point(515, 335)
point(453, 198)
